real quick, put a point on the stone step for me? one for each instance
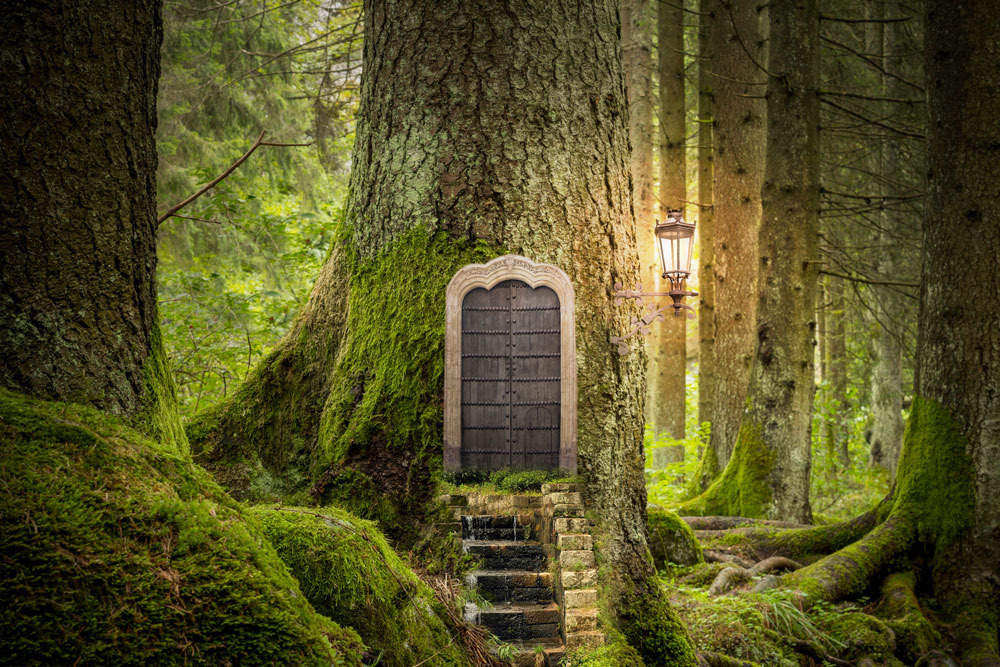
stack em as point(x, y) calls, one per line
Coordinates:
point(514, 620)
point(527, 650)
point(493, 527)
point(507, 554)
point(511, 585)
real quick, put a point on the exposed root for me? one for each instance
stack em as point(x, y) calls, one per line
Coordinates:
point(761, 540)
point(733, 575)
point(727, 522)
point(719, 557)
point(848, 572)
point(710, 659)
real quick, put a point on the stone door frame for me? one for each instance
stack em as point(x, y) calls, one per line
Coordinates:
point(509, 267)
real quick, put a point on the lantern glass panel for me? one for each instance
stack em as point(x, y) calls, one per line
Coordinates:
point(674, 240)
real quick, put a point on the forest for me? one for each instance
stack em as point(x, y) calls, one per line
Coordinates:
point(495, 333)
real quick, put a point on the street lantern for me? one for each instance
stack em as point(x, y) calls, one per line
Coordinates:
point(674, 241)
point(675, 238)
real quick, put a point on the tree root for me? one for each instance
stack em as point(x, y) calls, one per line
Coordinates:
point(719, 557)
point(733, 575)
point(761, 540)
point(727, 522)
point(848, 571)
point(710, 659)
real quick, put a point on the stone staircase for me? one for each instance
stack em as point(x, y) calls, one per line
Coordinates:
point(516, 583)
point(540, 594)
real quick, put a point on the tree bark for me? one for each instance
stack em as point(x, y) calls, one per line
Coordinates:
point(706, 217)
point(482, 130)
point(836, 322)
point(78, 253)
point(738, 167)
point(958, 350)
point(670, 341)
point(768, 473)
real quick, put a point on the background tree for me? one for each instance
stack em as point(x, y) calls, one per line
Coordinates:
point(738, 164)
point(351, 398)
point(670, 343)
point(768, 474)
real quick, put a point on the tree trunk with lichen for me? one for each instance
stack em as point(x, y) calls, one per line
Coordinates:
point(72, 330)
point(479, 134)
point(768, 473)
point(944, 511)
point(670, 333)
point(738, 164)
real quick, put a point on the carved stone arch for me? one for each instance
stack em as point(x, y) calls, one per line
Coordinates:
point(488, 276)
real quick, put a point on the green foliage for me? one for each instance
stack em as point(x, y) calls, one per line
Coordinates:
point(119, 551)
point(510, 480)
point(615, 652)
point(233, 272)
point(348, 571)
point(669, 485)
point(838, 493)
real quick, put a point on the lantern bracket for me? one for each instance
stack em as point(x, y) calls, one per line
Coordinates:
point(652, 313)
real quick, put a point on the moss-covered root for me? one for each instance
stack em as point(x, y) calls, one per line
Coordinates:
point(848, 572)
point(349, 572)
point(759, 542)
point(671, 540)
point(743, 488)
point(975, 621)
point(709, 659)
point(653, 628)
point(117, 550)
point(899, 607)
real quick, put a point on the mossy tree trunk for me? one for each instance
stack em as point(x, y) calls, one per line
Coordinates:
point(945, 509)
point(768, 473)
point(670, 339)
point(738, 164)
point(706, 217)
point(78, 252)
point(836, 429)
point(483, 129)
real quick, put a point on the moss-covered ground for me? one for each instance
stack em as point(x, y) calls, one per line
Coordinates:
point(117, 550)
point(348, 571)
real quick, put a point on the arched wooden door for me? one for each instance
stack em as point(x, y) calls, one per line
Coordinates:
point(510, 377)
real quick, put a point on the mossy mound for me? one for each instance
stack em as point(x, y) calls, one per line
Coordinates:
point(615, 653)
point(863, 636)
point(349, 572)
point(671, 540)
point(117, 550)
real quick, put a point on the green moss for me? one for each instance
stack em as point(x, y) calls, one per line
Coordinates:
point(160, 416)
point(671, 540)
point(349, 572)
point(117, 550)
point(936, 478)
point(382, 423)
point(615, 652)
point(863, 636)
point(653, 629)
point(743, 488)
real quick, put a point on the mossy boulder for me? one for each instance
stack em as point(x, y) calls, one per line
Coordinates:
point(671, 540)
point(118, 550)
point(349, 572)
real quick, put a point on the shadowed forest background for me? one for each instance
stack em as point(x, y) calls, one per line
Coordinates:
point(222, 420)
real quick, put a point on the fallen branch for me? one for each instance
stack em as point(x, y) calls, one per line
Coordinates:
point(256, 144)
point(727, 522)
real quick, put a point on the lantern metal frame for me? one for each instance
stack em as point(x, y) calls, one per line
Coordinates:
point(678, 283)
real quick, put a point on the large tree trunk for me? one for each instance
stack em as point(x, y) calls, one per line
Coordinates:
point(73, 330)
point(836, 323)
point(670, 339)
point(945, 508)
point(738, 166)
point(482, 131)
point(706, 217)
point(768, 473)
